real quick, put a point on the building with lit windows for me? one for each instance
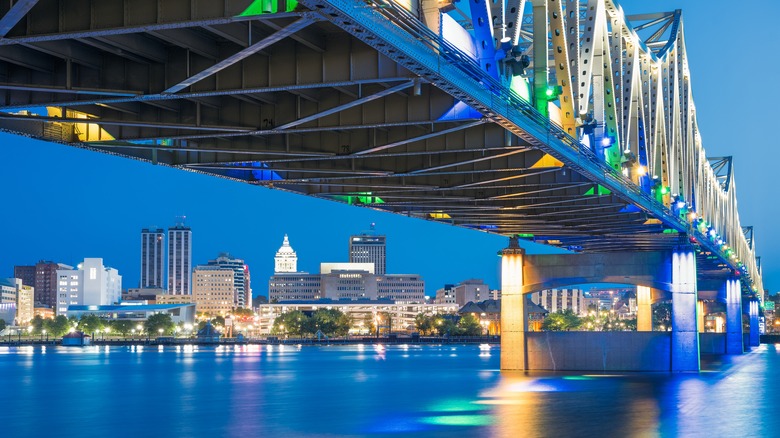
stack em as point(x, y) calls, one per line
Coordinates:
point(294, 286)
point(43, 278)
point(242, 293)
point(152, 258)
point(401, 288)
point(90, 284)
point(463, 292)
point(369, 248)
point(559, 300)
point(213, 290)
point(179, 260)
point(363, 313)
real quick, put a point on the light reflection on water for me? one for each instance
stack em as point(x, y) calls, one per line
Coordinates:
point(404, 390)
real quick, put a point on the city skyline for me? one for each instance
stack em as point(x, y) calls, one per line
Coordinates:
point(254, 215)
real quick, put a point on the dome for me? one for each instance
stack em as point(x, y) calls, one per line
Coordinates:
point(285, 248)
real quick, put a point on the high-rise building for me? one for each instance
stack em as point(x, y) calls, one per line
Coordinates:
point(286, 259)
point(152, 258)
point(90, 284)
point(43, 278)
point(369, 248)
point(242, 294)
point(179, 260)
point(214, 290)
point(8, 300)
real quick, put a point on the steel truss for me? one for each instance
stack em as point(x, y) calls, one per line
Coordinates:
point(375, 103)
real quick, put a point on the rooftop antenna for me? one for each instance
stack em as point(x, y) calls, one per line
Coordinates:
point(181, 220)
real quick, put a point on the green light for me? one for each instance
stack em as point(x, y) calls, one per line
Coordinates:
point(525, 236)
point(459, 420)
point(453, 406)
point(553, 91)
point(664, 190)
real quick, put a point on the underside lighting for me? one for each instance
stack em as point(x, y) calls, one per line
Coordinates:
point(641, 170)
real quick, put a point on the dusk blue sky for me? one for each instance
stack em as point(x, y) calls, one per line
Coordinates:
point(64, 204)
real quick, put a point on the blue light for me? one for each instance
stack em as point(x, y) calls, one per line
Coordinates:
point(606, 141)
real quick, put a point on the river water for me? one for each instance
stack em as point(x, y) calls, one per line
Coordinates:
point(360, 390)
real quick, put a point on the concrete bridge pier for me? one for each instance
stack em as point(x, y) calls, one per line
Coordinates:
point(754, 335)
point(733, 293)
point(513, 313)
point(685, 333)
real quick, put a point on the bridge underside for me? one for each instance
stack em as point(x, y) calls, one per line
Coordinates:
point(292, 102)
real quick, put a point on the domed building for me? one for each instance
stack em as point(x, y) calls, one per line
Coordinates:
point(286, 259)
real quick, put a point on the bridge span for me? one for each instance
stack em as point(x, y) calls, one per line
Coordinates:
point(565, 122)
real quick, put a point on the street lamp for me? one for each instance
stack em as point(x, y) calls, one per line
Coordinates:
point(44, 333)
point(160, 331)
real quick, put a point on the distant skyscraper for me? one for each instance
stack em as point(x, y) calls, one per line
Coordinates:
point(242, 296)
point(369, 248)
point(43, 278)
point(179, 260)
point(152, 258)
point(286, 259)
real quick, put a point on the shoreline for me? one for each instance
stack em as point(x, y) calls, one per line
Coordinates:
point(385, 340)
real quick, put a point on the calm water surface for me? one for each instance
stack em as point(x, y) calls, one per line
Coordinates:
point(258, 391)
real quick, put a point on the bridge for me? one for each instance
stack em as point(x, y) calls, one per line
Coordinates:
point(565, 122)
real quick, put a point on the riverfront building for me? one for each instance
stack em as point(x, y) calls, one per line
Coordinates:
point(180, 260)
point(364, 313)
point(42, 277)
point(470, 290)
point(242, 291)
point(214, 290)
point(559, 300)
point(16, 301)
point(90, 284)
point(152, 258)
point(341, 281)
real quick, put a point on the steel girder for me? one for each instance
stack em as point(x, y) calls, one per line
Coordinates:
point(371, 116)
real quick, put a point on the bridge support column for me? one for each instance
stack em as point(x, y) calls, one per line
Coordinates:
point(513, 312)
point(733, 317)
point(755, 341)
point(685, 335)
point(644, 310)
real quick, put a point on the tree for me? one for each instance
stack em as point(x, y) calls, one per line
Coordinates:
point(218, 320)
point(424, 323)
point(445, 326)
point(469, 325)
point(561, 321)
point(58, 326)
point(332, 322)
point(2, 325)
point(37, 324)
point(90, 323)
point(243, 313)
point(122, 327)
point(260, 299)
point(159, 321)
point(662, 316)
point(294, 323)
